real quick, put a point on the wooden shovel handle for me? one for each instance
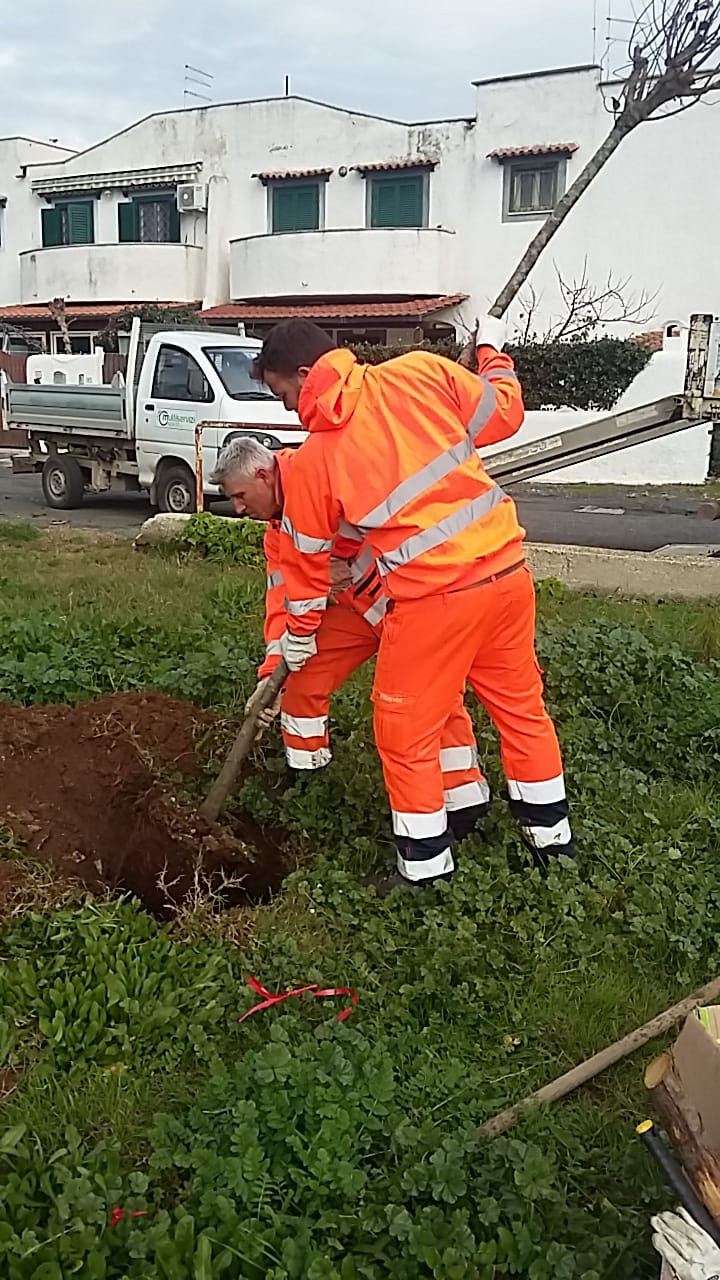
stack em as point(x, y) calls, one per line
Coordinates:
point(242, 746)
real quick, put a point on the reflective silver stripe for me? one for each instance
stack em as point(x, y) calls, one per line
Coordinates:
point(274, 580)
point(375, 614)
point(362, 564)
point(452, 758)
point(273, 647)
point(546, 837)
point(299, 759)
point(297, 607)
point(350, 531)
point(549, 792)
point(418, 826)
point(304, 726)
point(303, 541)
point(453, 524)
point(426, 868)
point(464, 797)
point(418, 483)
point(488, 400)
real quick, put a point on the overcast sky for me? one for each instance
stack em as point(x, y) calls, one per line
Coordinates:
point(77, 70)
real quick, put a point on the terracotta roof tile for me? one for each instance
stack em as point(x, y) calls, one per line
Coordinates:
point(409, 307)
point(382, 166)
point(78, 311)
point(541, 149)
point(652, 339)
point(279, 175)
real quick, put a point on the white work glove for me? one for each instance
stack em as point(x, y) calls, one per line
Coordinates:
point(685, 1246)
point(491, 332)
point(297, 649)
point(340, 577)
point(268, 714)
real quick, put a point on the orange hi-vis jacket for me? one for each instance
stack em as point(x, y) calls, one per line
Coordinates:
point(366, 596)
point(392, 458)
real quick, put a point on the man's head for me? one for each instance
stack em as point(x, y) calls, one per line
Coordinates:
point(246, 472)
point(289, 352)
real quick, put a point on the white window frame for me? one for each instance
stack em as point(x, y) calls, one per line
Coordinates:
point(56, 341)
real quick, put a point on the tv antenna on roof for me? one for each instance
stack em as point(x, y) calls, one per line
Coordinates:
point(614, 37)
point(204, 79)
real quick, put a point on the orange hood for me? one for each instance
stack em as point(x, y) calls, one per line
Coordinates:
point(331, 391)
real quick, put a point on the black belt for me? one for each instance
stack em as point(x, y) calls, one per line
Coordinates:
point(483, 582)
point(492, 577)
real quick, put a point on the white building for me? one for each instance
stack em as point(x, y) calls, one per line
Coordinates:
point(374, 227)
point(17, 205)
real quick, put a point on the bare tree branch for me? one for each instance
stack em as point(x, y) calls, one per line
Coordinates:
point(525, 322)
point(589, 306)
point(674, 61)
point(585, 308)
point(56, 307)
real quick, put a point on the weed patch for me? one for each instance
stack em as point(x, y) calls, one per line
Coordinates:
point(292, 1146)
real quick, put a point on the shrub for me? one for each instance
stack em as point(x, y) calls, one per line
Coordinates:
point(579, 375)
point(238, 541)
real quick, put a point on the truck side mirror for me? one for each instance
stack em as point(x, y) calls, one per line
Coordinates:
point(198, 386)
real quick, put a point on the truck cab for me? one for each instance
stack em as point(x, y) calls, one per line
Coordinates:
point(187, 377)
point(140, 432)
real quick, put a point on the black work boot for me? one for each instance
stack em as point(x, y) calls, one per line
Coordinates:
point(387, 882)
point(543, 858)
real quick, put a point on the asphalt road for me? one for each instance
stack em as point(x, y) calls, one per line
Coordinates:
point(626, 519)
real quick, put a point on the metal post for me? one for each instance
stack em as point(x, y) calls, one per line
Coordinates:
point(199, 488)
point(696, 369)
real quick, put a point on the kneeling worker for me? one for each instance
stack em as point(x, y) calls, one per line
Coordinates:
point(253, 479)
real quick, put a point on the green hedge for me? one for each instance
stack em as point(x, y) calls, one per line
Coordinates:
point(580, 375)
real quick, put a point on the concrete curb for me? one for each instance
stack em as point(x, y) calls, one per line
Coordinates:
point(624, 573)
point(627, 573)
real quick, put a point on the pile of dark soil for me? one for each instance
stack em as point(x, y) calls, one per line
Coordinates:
point(89, 790)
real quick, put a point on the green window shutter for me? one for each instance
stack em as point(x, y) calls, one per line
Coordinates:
point(383, 203)
point(397, 202)
point(80, 222)
point(295, 208)
point(51, 227)
point(128, 223)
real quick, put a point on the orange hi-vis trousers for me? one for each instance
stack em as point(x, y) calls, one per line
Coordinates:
point(344, 641)
point(429, 649)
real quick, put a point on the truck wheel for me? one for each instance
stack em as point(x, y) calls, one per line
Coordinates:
point(63, 483)
point(176, 490)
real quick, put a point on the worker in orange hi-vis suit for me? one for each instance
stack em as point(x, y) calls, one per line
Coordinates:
point(254, 480)
point(392, 454)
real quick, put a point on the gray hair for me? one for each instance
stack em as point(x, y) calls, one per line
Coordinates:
point(243, 456)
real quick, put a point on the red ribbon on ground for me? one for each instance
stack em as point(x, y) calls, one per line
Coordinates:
point(269, 999)
point(118, 1215)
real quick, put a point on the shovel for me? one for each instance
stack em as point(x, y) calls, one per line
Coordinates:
point(240, 750)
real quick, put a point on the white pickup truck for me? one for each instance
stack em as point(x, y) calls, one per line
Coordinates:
point(140, 433)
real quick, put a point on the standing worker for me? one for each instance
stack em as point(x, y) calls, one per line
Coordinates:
point(254, 480)
point(392, 455)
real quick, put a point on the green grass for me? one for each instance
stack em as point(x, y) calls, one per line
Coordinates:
point(292, 1145)
point(18, 532)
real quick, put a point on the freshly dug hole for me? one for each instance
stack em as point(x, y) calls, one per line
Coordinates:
point(82, 787)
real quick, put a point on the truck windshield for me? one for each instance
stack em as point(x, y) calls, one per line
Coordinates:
point(234, 367)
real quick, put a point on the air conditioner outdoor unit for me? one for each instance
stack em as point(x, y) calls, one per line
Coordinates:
point(191, 197)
